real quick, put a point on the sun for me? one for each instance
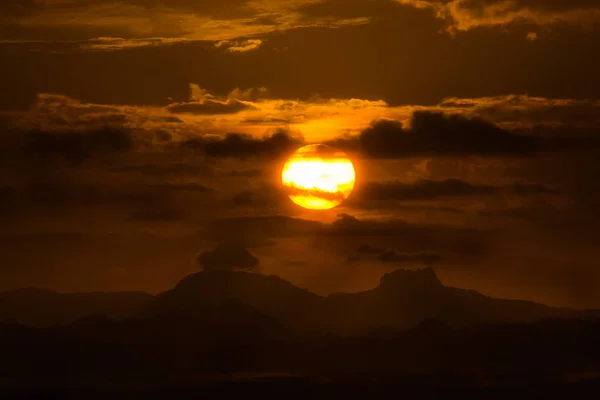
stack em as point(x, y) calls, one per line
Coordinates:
point(318, 177)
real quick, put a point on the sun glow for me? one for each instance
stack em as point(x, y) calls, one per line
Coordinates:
point(318, 177)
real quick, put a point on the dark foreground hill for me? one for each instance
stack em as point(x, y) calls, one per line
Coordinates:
point(232, 346)
point(234, 332)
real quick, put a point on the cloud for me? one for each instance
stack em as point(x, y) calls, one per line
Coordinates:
point(209, 107)
point(246, 229)
point(348, 231)
point(367, 252)
point(112, 43)
point(526, 112)
point(489, 126)
point(532, 36)
point(468, 14)
point(136, 23)
point(252, 94)
point(423, 189)
point(235, 145)
point(349, 8)
point(183, 187)
point(17, 8)
point(253, 111)
point(168, 170)
point(464, 15)
point(202, 102)
point(76, 146)
point(433, 133)
point(157, 215)
point(227, 256)
point(466, 243)
point(264, 197)
point(239, 46)
point(427, 189)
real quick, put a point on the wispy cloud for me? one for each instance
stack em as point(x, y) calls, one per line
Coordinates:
point(240, 46)
point(112, 43)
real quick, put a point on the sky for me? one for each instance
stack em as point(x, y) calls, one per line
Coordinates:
point(137, 134)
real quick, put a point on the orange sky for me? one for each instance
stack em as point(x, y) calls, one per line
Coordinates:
point(135, 134)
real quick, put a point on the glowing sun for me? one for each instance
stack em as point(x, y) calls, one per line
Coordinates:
point(318, 177)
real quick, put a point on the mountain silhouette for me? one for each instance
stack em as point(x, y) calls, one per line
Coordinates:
point(403, 299)
point(219, 324)
point(39, 307)
point(268, 294)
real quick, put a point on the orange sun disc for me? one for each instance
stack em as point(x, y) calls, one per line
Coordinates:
point(318, 177)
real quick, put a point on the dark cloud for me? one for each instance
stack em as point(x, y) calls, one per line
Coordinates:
point(531, 111)
point(184, 187)
point(236, 145)
point(167, 169)
point(76, 146)
point(227, 256)
point(67, 192)
point(248, 198)
point(209, 107)
point(172, 120)
point(414, 238)
point(62, 193)
point(344, 225)
point(348, 225)
point(433, 133)
point(367, 252)
point(424, 189)
point(402, 258)
point(155, 215)
point(247, 228)
point(428, 189)
point(249, 173)
point(263, 195)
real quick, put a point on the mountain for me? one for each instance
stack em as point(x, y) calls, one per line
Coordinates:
point(219, 323)
point(268, 294)
point(38, 307)
point(403, 299)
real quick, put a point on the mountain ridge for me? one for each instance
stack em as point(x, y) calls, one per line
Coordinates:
point(403, 299)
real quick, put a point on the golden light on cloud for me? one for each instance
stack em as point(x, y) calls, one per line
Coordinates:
point(318, 177)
